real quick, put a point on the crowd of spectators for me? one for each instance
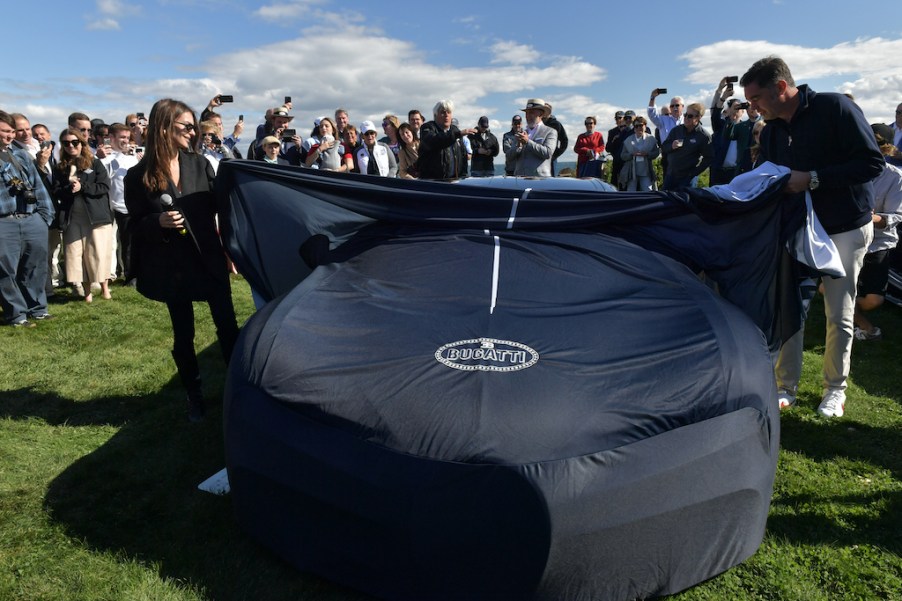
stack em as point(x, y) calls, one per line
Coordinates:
point(75, 182)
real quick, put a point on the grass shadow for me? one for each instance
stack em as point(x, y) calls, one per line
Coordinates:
point(136, 495)
point(851, 517)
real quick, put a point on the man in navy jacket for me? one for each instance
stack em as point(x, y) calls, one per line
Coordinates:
point(827, 143)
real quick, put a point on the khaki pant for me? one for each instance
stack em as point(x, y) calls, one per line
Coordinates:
point(839, 308)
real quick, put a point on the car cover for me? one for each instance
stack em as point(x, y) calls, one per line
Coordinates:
point(512, 389)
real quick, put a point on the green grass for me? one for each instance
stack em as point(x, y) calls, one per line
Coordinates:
point(99, 468)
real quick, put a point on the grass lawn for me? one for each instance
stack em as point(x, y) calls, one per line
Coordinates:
point(99, 467)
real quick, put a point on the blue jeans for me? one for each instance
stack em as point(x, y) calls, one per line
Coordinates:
point(23, 267)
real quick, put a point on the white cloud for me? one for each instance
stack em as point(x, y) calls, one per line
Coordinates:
point(512, 53)
point(109, 7)
point(349, 68)
point(286, 11)
point(103, 24)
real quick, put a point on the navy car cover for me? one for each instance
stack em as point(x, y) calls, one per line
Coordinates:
point(472, 392)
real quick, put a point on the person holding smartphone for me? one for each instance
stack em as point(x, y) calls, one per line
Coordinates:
point(177, 255)
point(82, 184)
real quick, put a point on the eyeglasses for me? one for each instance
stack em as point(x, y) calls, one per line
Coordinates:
point(691, 116)
point(370, 133)
point(675, 105)
point(386, 123)
point(133, 124)
point(638, 125)
point(72, 143)
point(189, 127)
point(84, 129)
point(590, 123)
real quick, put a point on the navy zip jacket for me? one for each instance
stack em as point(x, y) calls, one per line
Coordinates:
point(829, 134)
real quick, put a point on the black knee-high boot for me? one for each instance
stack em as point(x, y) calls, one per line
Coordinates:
point(189, 373)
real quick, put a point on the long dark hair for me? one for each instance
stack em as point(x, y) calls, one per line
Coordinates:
point(160, 147)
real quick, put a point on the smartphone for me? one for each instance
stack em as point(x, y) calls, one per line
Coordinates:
point(139, 149)
point(106, 141)
point(241, 117)
point(662, 90)
point(287, 99)
point(140, 115)
point(743, 105)
point(732, 78)
point(46, 144)
point(226, 98)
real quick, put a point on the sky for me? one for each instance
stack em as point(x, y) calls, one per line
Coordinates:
point(108, 58)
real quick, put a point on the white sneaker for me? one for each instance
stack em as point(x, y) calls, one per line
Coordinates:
point(833, 403)
point(874, 334)
point(785, 398)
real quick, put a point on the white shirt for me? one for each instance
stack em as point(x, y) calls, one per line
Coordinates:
point(117, 165)
point(663, 122)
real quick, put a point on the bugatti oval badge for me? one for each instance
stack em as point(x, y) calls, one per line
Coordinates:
point(486, 354)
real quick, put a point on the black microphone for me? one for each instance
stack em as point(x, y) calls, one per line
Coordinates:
point(168, 205)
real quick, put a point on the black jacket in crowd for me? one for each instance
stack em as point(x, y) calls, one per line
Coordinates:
point(442, 154)
point(484, 162)
point(95, 191)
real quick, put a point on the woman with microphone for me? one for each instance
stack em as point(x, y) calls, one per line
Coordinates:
point(177, 256)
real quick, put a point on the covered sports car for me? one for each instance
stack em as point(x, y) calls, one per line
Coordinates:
point(506, 389)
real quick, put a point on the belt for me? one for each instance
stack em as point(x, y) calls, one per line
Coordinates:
point(16, 215)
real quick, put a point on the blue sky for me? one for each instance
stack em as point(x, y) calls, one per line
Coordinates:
point(108, 58)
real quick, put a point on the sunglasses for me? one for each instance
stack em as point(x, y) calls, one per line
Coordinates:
point(133, 124)
point(72, 143)
point(189, 127)
point(84, 129)
point(386, 123)
point(691, 116)
point(673, 106)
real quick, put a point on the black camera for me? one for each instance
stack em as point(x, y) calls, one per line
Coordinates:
point(742, 105)
point(226, 98)
point(46, 144)
point(289, 133)
point(732, 78)
point(662, 90)
point(216, 140)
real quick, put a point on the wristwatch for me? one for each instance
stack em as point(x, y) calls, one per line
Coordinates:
point(814, 183)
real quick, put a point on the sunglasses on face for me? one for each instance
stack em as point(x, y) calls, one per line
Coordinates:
point(673, 106)
point(133, 124)
point(189, 127)
point(72, 143)
point(691, 116)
